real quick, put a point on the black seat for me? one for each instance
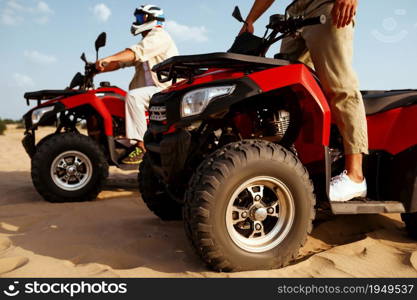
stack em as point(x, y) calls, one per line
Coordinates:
point(381, 101)
point(51, 94)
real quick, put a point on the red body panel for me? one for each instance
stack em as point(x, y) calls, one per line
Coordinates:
point(106, 106)
point(315, 132)
point(393, 131)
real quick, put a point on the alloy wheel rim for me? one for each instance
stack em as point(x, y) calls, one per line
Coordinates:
point(71, 170)
point(260, 214)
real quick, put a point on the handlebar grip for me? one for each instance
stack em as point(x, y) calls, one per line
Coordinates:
point(315, 21)
point(91, 68)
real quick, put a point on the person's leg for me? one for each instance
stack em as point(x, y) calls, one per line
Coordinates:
point(331, 50)
point(137, 102)
point(353, 165)
point(295, 49)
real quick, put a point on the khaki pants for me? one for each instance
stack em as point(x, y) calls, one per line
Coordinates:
point(330, 52)
point(137, 103)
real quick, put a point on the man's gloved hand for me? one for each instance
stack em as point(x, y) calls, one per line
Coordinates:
point(343, 12)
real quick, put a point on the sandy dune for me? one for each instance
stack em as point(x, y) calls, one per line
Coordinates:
point(116, 236)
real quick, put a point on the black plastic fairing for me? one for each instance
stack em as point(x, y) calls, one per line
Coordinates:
point(51, 115)
point(381, 101)
point(393, 178)
point(245, 88)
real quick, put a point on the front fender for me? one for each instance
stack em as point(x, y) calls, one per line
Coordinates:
point(97, 104)
point(314, 135)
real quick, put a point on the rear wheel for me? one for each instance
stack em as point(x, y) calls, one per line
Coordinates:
point(154, 194)
point(69, 167)
point(249, 206)
point(410, 221)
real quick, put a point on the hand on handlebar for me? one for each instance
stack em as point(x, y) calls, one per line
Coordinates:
point(343, 12)
point(247, 27)
point(101, 65)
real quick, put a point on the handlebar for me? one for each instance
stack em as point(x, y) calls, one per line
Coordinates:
point(280, 23)
point(287, 26)
point(314, 21)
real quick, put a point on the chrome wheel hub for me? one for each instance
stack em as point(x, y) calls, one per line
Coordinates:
point(72, 171)
point(260, 214)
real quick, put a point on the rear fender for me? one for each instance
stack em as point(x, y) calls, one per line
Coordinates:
point(393, 131)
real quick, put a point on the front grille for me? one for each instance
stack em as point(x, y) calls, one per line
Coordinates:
point(158, 113)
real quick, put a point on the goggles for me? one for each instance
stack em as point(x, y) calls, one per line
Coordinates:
point(140, 18)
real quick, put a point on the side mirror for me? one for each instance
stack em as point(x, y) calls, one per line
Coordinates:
point(101, 41)
point(78, 80)
point(237, 15)
point(84, 58)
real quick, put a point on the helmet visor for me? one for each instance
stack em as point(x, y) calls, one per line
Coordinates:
point(140, 19)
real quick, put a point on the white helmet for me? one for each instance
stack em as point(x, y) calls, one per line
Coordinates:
point(147, 17)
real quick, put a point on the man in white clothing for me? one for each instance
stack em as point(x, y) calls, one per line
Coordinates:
point(155, 47)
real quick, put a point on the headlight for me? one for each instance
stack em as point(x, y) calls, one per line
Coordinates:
point(39, 113)
point(195, 102)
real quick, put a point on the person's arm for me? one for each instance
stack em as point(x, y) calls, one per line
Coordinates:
point(115, 62)
point(258, 8)
point(343, 12)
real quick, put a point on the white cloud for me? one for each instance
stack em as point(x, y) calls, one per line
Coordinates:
point(42, 20)
point(14, 12)
point(102, 12)
point(13, 4)
point(23, 80)
point(9, 17)
point(187, 33)
point(43, 7)
point(39, 58)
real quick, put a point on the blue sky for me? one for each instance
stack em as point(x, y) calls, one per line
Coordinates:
point(41, 41)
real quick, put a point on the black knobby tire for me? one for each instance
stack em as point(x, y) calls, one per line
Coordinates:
point(410, 221)
point(57, 145)
point(211, 188)
point(154, 194)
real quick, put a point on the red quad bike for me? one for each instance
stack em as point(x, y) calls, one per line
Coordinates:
point(245, 144)
point(68, 166)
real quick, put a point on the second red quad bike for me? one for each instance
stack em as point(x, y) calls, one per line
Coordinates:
point(69, 166)
point(245, 145)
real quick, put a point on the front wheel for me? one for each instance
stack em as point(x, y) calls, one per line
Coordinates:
point(250, 206)
point(69, 167)
point(154, 194)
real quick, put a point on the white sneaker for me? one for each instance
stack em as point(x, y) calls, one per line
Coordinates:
point(343, 189)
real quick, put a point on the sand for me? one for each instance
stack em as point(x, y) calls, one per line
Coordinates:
point(116, 236)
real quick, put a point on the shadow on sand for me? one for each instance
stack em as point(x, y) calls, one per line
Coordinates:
point(117, 230)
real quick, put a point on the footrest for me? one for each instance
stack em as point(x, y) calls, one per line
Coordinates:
point(365, 206)
point(126, 167)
